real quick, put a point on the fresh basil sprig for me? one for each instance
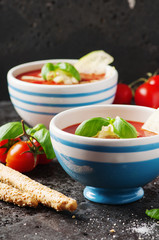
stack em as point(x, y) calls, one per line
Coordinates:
point(11, 130)
point(47, 67)
point(36, 128)
point(67, 68)
point(153, 213)
point(42, 135)
point(123, 129)
point(90, 128)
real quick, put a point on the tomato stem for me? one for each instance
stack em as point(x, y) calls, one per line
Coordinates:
point(156, 72)
point(29, 137)
point(137, 81)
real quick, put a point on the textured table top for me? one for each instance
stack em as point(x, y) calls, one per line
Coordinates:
point(89, 221)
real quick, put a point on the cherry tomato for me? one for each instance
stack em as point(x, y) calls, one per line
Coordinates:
point(147, 95)
point(42, 159)
point(5, 145)
point(21, 158)
point(154, 80)
point(3, 151)
point(123, 94)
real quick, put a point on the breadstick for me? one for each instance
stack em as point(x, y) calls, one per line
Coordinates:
point(43, 194)
point(13, 195)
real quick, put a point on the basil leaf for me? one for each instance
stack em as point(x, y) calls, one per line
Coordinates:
point(153, 213)
point(47, 67)
point(11, 130)
point(43, 137)
point(123, 129)
point(39, 126)
point(69, 69)
point(91, 127)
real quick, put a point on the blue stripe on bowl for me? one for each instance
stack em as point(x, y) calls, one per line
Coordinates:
point(110, 175)
point(61, 105)
point(109, 149)
point(35, 112)
point(73, 95)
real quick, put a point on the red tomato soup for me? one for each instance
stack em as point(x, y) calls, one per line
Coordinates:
point(137, 125)
point(35, 77)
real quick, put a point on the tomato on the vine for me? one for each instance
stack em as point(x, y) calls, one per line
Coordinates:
point(41, 157)
point(3, 151)
point(154, 80)
point(5, 145)
point(147, 95)
point(21, 158)
point(123, 94)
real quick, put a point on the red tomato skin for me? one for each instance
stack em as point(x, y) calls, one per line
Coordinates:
point(4, 150)
point(20, 159)
point(147, 95)
point(154, 80)
point(42, 159)
point(3, 155)
point(123, 94)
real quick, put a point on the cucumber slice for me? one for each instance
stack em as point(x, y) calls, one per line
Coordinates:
point(94, 62)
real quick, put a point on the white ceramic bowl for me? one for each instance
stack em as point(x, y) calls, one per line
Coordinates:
point(37, 103)
point(113, 170)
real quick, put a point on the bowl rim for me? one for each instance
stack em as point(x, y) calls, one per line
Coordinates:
point(90, 140)
point(11, 77)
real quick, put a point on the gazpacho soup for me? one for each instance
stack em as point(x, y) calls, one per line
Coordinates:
point(89, 68)
point(137, 125)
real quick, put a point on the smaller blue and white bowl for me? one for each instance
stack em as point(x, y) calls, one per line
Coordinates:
point(113, 170)
point(38, 103)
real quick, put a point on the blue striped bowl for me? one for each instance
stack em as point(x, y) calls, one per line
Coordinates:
point(37, 103)
point(113, 170)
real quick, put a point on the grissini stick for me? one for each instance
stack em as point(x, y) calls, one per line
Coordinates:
point(13, 195)
point(43, 194)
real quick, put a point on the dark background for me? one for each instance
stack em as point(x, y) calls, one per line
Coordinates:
point(43, 29)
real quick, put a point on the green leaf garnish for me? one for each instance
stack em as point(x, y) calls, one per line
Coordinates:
point(38, 127)
point(11, 130)
point(123, 129)
point(68, 69)
point(89, 128)
point(43, 137)
point(47, 67)
point(153, 213)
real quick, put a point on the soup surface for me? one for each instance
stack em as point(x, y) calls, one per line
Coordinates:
point(137, 125)
point(35, 77)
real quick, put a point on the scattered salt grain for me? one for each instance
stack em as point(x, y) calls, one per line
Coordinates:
point(144, 229)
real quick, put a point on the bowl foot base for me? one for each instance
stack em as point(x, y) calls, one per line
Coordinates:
point(113, 196)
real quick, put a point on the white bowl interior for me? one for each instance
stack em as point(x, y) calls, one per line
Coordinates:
point(111, 73)
point(77, 115)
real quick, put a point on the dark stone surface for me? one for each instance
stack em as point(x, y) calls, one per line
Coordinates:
point(35, 30)
point(92, 221)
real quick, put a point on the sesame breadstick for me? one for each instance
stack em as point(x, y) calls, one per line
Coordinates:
point(13, 195)
point(43, 194)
